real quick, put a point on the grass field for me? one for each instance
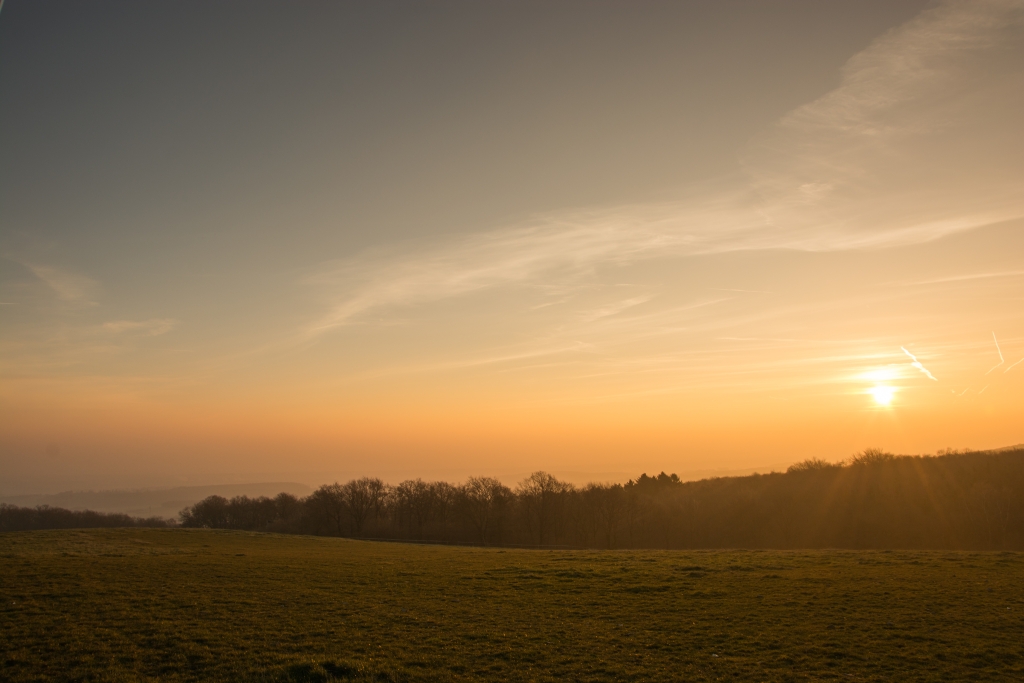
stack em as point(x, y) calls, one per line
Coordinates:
point(139, 604)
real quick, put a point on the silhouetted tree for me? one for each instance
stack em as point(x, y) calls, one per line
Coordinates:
point(364, 500)
point(483, 500)
point(605, 505)
point(290, 512)
point(542, 500)
point(812, 465)
point(329, 508)
point(877, 500)
point(414, 504)
point(445, 498)
point(210, 513)
point(15, 518)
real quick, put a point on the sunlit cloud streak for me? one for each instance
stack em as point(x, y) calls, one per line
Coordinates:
point(917, 364)
point(67, 286)
point(614, 308)
point(963, 278)
point(835, 172)
point(556, 249)
point(858, 168)
point(152, 328)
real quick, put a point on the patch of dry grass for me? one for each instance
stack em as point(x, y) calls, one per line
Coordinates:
point(154, 604)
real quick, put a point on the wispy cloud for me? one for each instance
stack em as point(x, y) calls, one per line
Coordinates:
point(614, 308)
point(68, 286)
point(151, 328)
point(859, 168)
point(964, 278)
point(883, 159)
point(558, 252)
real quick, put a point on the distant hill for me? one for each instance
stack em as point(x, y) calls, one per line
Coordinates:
point(152, 502)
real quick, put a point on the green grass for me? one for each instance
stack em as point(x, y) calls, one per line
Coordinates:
point(141, 604)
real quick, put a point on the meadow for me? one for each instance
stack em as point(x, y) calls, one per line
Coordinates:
point(199, 605)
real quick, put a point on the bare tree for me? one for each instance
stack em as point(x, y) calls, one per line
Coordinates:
point(542, 497)
point(379, 493)
point(364, 499)
point(329, 508)
point(482, 499)
point(444, 496)
point(414, 505)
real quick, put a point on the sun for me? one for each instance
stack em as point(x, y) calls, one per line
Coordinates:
point(883, 394)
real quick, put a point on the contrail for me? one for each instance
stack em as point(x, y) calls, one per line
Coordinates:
point(1013, 366)
point(917, 364)
point(1001, 359)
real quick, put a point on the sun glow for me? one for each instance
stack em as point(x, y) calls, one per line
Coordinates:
point(880, 375)
point(883, 394)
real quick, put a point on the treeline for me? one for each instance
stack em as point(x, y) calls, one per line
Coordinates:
point(875, 500)
point(14, 518)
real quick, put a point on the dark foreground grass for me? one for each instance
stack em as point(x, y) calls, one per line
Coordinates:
point(134, 604)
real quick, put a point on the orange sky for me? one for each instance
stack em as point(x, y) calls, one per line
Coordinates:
point(480, 241)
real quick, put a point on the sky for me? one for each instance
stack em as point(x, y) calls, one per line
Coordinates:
point(275, 241)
